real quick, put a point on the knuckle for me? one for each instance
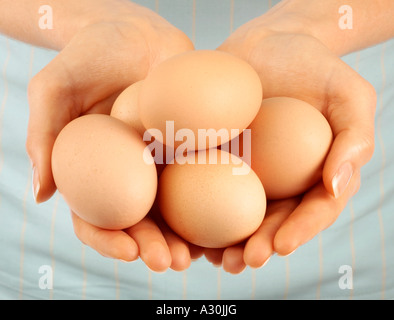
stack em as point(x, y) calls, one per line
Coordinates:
point(370, 146)
point(37, 91)
point(47, 85)
point(367, 145)
point(369, 96)
point(34, 86)
point(40, 86)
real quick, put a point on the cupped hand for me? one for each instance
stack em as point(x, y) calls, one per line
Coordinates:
point(300, 66)
point(97, 63)
point(150, 239)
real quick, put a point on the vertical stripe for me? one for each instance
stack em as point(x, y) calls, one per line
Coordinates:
point(24, 208)
point(22, 256)
point(32, 50)
point(150, 291)
point(320, 281)
point(22, 237)
point(194, 23)
point(219, 283)
point(351, 209)
point(4, 100)
point(25, 198)
point(381, 173)
point(52, 238)
point(184, 282)
point(287, 277)
point(116, 275)
point(351, 240)
point(231, 16)
point(84, 273)
point(253, 275)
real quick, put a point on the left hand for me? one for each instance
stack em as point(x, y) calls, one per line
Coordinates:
point(300, 66)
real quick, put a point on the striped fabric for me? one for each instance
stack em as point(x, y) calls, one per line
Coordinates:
point(37, 242)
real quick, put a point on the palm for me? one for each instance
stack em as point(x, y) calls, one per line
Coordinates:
point(99, 62)
point(301, 67)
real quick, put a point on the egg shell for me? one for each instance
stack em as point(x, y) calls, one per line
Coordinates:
point(125, 107)
point(207, 204)
point(200, 90)
point(101, 170)
point(290, 140)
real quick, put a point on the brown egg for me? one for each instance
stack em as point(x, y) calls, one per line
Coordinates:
point(211, 204)
point(290, 140)
point(198, 97)
point(100, 168)
point(125, 107)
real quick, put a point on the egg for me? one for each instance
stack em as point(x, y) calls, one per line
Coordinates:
point(102, 170)
point(125, 107)
point(290, 140)
point(206, 203)
point(199, 99)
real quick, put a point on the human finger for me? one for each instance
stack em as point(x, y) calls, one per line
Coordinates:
point(153, 248)
point(54, 100)
point(50, 110)
point(214, 255)
point(260, 246)
point(179, 248)
point(195, 251)
point(109, 243)
point(317, 211)
point(350, 112)
point(233, 261)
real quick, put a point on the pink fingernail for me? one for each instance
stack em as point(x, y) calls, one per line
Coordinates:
point(36, 183)
point(342, 179)
point(125, 261)
point(266, 261)
point(286, 255)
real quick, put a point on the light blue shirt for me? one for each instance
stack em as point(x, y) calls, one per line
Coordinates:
point(41, 258)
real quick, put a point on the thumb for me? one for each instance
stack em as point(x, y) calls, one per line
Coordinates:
point(50, 106)
point(54, 101)
point(352, 122)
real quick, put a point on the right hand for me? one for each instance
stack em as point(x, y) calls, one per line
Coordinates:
point(95, 66)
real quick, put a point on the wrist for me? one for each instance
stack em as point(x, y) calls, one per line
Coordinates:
point(54, 24)
point(293, 17)
point(74, 18)
point(331, 22)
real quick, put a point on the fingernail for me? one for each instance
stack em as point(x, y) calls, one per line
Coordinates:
point(265, 262)
point(36, 183)
point(341, 179)
point(125, 261)
point(286, 255)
